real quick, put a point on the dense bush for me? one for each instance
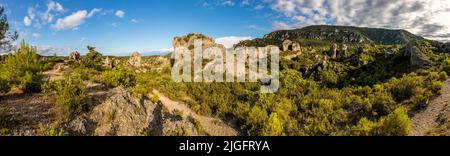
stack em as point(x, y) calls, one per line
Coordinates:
point(117, 77)
point(22, 69)
point(71, 96)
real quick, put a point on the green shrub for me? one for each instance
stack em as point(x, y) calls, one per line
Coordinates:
point(71, 96)
point(3, 119)
point(443, 76)
point(396, 123)
point(50, 131)
point(436, 86)
point(117, 77)
point(328, 77)
point(273, 127)
point(364, 127)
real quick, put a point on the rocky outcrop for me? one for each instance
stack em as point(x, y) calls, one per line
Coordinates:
point(333, 51)
point(122, 114)
point(109, 63)
point(188, 41)
point(75, 56)
point(417, 57)
point(135, 60)
point(289, 45)
point(343, 50)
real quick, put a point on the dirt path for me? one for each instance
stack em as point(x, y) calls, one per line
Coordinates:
point(425, 121)
point(56, 73)
point(212, 126)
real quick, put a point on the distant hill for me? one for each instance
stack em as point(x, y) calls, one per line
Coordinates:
point(336, 34)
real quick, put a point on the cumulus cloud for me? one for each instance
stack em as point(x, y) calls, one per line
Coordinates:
point(423, 17)
point(71, 21)
point(52, 7)
point(120, 13)
point(230, 41)
point(27, 21)
point(94, 11)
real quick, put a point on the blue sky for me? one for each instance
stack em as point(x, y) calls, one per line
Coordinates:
point(119, 27)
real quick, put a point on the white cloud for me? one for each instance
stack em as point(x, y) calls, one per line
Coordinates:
point(71, 21)
point(36, 35)
point(114, 25)
point(423, 17)
point(230, 41)
point(31, 13)
point(52, 7)
point(27, 21)
point(135, 21)
point(55, 6)
point(258, 7)
point(94, 11)
point(120, 13)
point(281, 26)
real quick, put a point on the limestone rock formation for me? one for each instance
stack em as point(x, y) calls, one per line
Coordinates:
point(343, 50)
point(333, 51)
point(417, 57)
point(109, 63)
point(188, 41)
point(135, 60)
point(288, 45)
point(75, 56)
point(124, 115)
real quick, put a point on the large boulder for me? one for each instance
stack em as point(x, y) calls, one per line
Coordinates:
point(124, 115)
point(343, 50)
point(417, 57)
point(333, 51)
point(109, 63)
point(135, 60)
point(75, 56)
point(289, 45)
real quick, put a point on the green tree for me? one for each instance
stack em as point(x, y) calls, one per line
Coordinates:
point(93, 58)
point(6, 37)
point(23, 68)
